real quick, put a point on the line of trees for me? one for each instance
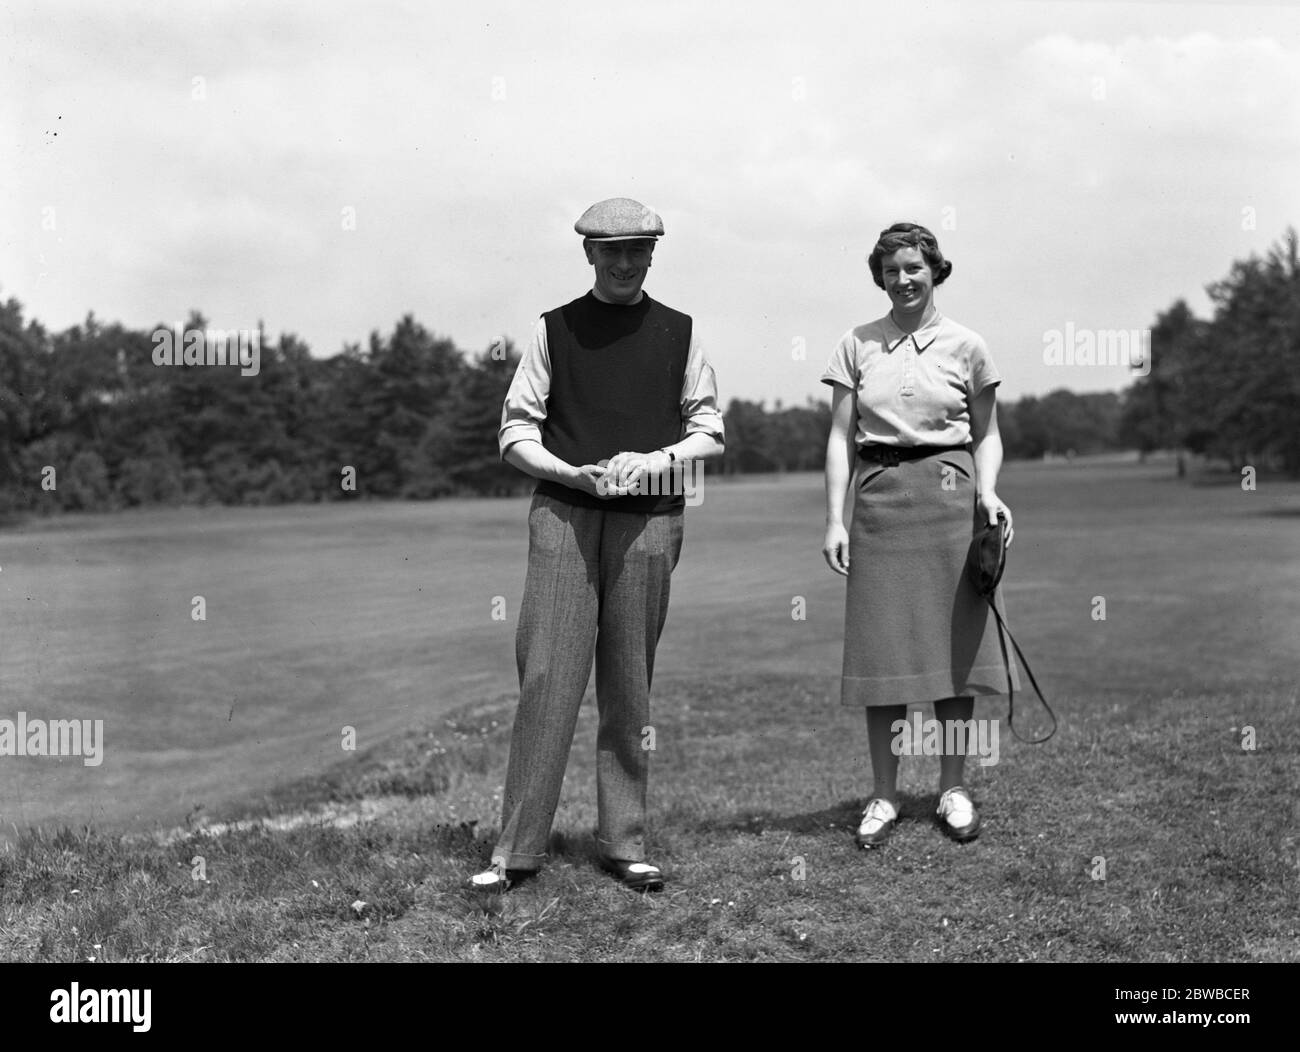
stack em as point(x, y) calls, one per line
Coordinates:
point(1228, 387)
point(88, 421)
point(410, 416)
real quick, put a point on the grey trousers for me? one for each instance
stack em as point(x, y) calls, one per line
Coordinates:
point(597, 588)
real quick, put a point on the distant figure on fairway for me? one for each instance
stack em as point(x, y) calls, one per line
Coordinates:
point(912, 391)
point(612, 397)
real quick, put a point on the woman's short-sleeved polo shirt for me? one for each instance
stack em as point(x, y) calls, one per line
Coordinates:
point(913, 390)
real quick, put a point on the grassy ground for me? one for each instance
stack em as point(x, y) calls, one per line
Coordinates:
point(758, 779)
point(1198, 835)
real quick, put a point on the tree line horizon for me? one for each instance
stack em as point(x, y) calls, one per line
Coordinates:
point(89, 422)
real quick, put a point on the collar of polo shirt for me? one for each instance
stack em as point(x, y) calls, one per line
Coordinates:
point(896, 336)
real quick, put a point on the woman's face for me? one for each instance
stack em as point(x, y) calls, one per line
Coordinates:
point(908, 281)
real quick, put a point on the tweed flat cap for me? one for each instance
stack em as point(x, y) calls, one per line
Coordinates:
point(619, 219)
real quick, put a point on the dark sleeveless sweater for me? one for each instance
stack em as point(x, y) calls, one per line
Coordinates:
point(616, 386)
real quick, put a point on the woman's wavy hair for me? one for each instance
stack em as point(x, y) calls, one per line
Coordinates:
point(908, 235)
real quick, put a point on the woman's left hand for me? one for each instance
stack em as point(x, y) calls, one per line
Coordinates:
point(991, 507)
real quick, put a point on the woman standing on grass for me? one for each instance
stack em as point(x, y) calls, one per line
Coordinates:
point(913, 391)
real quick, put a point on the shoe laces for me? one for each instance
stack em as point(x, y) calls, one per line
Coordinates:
point(879, 810)
point(956, 800)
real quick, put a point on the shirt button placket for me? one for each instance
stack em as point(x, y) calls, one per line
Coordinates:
point(909, 357)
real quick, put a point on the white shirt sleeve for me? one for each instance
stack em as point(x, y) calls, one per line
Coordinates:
point(700, 395)
point(524, 411)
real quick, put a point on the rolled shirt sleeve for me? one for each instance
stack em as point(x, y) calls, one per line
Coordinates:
point(524, 411)
point(843, 366)
point(700, 395)
point(983, 373)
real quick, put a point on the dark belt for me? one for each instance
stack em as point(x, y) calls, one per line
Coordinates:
point(891, 456)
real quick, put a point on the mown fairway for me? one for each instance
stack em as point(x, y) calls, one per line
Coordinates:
point(380, 617)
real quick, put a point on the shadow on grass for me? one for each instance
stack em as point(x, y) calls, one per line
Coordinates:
point(846, 814)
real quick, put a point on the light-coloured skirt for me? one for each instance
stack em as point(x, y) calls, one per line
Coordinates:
point(914, 628)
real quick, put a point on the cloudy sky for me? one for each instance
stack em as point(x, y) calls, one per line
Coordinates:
point(1084, 164)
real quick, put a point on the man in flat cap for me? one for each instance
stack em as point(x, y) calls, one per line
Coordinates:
point(612, 397)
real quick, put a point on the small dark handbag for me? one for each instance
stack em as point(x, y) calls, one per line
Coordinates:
point(985, 562)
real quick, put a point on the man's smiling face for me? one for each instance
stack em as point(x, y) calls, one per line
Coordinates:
point(620, 267)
